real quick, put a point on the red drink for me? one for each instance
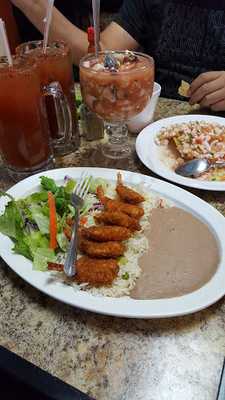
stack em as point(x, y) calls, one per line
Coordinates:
point(24, 130)
point(56, 66)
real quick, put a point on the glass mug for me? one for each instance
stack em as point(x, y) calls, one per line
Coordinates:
point(56, 66)
point(25, 141)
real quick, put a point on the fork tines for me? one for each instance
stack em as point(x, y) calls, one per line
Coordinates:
point(82, 186)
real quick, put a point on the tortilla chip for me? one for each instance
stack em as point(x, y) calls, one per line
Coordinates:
point(183, 89)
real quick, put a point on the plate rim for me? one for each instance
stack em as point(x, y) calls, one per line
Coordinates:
point(120, 307)
point(161, 169)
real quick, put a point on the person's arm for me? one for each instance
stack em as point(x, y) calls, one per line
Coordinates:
point(114, 36)
point(61, 28)
point(208, 89)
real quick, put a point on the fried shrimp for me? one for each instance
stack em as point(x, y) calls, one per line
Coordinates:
point(132, 210)
point(93, 271)
point(129, 209)
point(118, 218)
point(101, 195)
point(96, 272)
point(127, 194)
point(106, 233)
point(101, 249)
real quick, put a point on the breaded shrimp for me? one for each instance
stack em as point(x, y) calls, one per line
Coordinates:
point(101, 195)
point(127, 194)
point(118, 218)
point(101, 249)
point(106, 233)
point(93, 271)
point(132, 210)
point(96, 272)
point(129, 209)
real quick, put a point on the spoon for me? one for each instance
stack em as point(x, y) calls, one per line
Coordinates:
point(197, 167)
point(110, 62)
point(96, 20)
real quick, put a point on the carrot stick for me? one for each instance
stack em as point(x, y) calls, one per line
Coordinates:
point(52, 221)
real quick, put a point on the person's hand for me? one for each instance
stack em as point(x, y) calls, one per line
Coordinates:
point(208, 90)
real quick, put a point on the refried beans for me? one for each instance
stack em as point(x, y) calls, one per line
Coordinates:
point(183, 255)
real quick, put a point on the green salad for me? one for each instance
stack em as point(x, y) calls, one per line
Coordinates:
point(40, 224)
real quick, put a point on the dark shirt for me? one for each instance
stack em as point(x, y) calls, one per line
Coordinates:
point(184, 37)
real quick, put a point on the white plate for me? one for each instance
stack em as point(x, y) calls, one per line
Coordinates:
point(148, 151)
point(124, 307)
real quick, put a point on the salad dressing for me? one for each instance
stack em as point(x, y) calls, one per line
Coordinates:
point(183, 255)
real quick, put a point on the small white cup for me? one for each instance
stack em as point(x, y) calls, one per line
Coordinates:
point(140, 121)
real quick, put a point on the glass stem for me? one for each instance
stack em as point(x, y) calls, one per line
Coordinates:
point(117, 133)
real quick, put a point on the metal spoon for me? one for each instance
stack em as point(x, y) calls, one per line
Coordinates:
point(197, 167)
point(110, 62)
point(96, 20)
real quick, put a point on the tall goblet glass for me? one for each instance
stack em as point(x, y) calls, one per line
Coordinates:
point(117, 86)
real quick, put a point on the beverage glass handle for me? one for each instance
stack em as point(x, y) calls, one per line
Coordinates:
point(62, 109)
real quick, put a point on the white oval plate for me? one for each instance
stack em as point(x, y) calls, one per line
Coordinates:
point(124, 307)
point(148, 151)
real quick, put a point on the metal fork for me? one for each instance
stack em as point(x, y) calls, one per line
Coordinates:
point(78, 196)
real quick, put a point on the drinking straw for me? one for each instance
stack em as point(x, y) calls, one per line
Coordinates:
point(47, 21)
point(96, 20)
point(5, 42)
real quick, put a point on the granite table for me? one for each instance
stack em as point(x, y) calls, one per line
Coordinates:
point(112, 358)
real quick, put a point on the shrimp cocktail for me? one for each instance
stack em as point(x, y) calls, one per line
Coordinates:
point(117, 85)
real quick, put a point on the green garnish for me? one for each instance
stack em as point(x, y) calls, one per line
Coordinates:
point(122, 260)
point(48, 184)
point(126, 276)
point(70, 186)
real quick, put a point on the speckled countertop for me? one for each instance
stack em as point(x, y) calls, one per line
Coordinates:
point(112, 358)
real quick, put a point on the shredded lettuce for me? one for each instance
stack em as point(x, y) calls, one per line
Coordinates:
point(95, 182)
point(38, 197)
point(41, 220)
point(11, 222)
point(70, 186)
point(62, 241)
point(71, 210)
point(36, 241)
point(89, 201)
point(48, 184)
point(42, 257)
point(22, 248)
